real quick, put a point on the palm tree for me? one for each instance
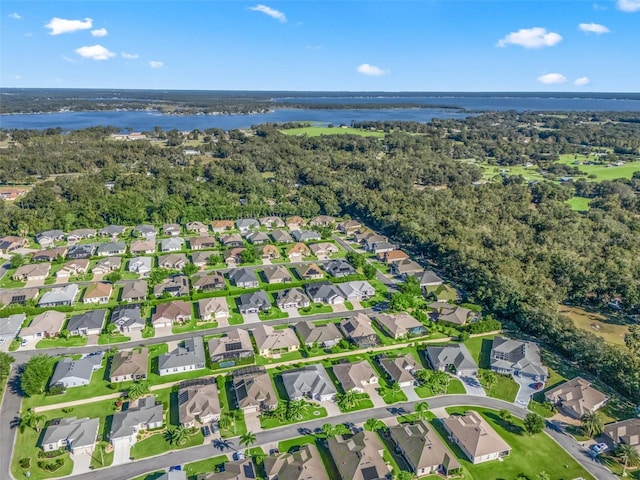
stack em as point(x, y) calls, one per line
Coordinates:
point(543, 476)
point(177, 436)
point(341, 429)
point(138, 389)
point(348, 399)
point(505, 415)
point(33, 420)
point(592, 424)
point(421, 409)
point(489, 379)
point(247, 439)
point(629, 455)
point(327, 430)
point(374, 424)
point(294, 409)
point(439, 381)
point(404, 475)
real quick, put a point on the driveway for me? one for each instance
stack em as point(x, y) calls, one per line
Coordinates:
point(411, 394)
point(163, 332)
point(339, 308)
point(375, 397)
point(252, 420)
point(251, 318)
point(525, 392)
point(292, 311)
point(332, 408)
point(82, 462)
point(121, 453)
point(356, 305)
point(472, 386)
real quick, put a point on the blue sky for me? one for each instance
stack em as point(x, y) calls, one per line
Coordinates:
point(305, 45)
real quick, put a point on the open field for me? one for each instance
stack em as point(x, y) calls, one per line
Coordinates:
point(579, 204)
point(602, 172)
point(317, 131)
point(596, 323)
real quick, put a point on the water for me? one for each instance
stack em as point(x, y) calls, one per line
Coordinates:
point(146, 120)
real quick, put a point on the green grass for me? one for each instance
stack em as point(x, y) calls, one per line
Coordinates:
point(505, 388)
point(25, 447)
point(96, 459)
point(286, 445)
point(106, 339)
point(530, 455)
point(480, 349)
point(579, 204)
point(361, 404)
point(284, 357)
point(455, 387)
point(310, 412)
point(273, 314)
point(204, 466)
point(156, 444)
point(75, 341)
point(317, 131)
point(193, 325)
point(227, 404)
point(389, 396)
point(315, 309)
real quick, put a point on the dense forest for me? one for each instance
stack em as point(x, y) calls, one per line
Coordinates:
point(514, 246)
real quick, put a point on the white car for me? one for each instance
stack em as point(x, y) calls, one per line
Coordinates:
point(2, 340)
point(599, 448)
point(24, 343)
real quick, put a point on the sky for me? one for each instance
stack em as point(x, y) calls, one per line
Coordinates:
point(394, 45)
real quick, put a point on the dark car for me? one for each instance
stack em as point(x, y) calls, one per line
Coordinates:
point(536, 386)
point(274, 451)
point(206, 431)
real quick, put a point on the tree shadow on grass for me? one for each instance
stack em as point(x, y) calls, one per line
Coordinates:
point(485, 354)
point(506, 424)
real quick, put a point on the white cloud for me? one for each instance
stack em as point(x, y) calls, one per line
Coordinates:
point(60, 25)
point(552, 78)
point(593, 28)
point(531, 38)
point(629, 5)
point(99, 32)
point(129, 56)
point(273, 13)
point(582, 81)
point(67, 59)
point(15, 16)
point(371, 70)
point(156, 64)
point(95, 52)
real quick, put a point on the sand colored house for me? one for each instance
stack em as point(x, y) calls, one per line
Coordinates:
point(32, 272)
point(169, 314)
point(222, 225)
point(359, 456)
point(355, 376)
point(358, 330)
point(253, 389)
point(234, 346)
point(626, 431)
point(576, 397)
point(297, 252)
point(73, 268)
point(99, 292)
point(292, 298)
point(45, 325)
point(198, 401)
point(475, 437)
point(214, 308)
point(270, 341)
point(269, 252)
point(304, 464)
point(400, 325)
point(129, 365)
point(401, 369)
point(326, 335)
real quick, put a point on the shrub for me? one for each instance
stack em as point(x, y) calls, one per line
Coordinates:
point(52, 453)
point(51, 466)
point(25, 463)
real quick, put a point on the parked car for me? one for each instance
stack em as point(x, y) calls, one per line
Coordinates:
point(2, 340)
point(536, 386)
point(206, 431)
point(238, 456)
point(599, 448)
point(274, 451)
point(175, 467)
point(214, 427)
point(23, 343)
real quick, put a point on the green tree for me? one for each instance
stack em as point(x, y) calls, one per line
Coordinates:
point(404, 475)
point(341, 429)
point(247, 439)
point(157, 275)
point(632, 339)
point(5, 368)
point(138, 389)
point(488, 379)
point(227, 422)
point(358, 260)
point(533, 423)
point(248, 255)
point(543, 476)
point(374, 424)
point(411, 286)
point(369, 271)
point(36, 374)
point(294, 409)
point(422, 409)
point(327, 429)
point(177, 436)
point(113, 277)
point(33, 420)
point(347, 400)
point(189, 269)
point(628, 455)
point(592, 424)
point(504, 415)
point(16, 261)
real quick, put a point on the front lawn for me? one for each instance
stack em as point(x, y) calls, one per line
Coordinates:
point(361, 404)
point(390, 396)
point(315, 309)
point(284, 357)
point(310, 412)
point(227, 407)
point(455, 387)
point(25, 448)
point(505, 388)
point(106, 339)
point(530, 455)
point(157, 444)
point(74, 341)
point(480, 349)
point(193, 325)
point(274, 313)
point(204, 466)
point(286, 445)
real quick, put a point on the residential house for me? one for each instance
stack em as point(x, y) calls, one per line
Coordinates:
point(200, 243)
point(169, 314)
point(422, 449)
point(246, 224)
point(173, 261)
point(428, 278)
point(292, 298)
point(111, 248)
point(303, 464)
point(258, 238)
point(219, 226)
point(31, 272)
point(323, 250)
point(215, 308)
point(446, 312)
point(127, 318)
point(359, 456)
point(339, 268)
point(369, 239)
point(189, 357)
point(277, 274)
point(81, 251)
point(357, 290)
point(405, 267)
point(11, 243)
point(197, 227)
point(326, 336)
point(311, 381)
point(127, 365)
point(322, 221)
point(98, 292)
point(271, 342)
point(271, 222)
point(87, 323)
point(107, 265)
point(142, 414)
point(453, 358)
point(233, 347)
point(172, 244)
point(392, 257)
point(73, 268)
point(349, 227)
point(232, 240)
point(78, 435)
point(202, 259)
point(146, 247)
point(269, 252)
point(380, 246)
point(576, 397)
point(134, 291)
point(253, 389)
point(309, 271)
point(358, 330)
point(75, 236)
point(174, 286)
point(10, 326)
point(281, 236)
point(325, 292)
point(400, 325)
point(624, 432)
point(208, 281)
point(236, 470)
point(305, 235)
point(76, 373)
point(297, 252)
point(198, 401)
point(355, 376)
point(57, 297)
point(146, 231)
point(50, 255)
point(47, 239)
point(519, 358)
point(233, 257)
point(254, 302)
point(401, 369)
point(140, 265)
point(113, 231)
point(18, 296)
point(475, 437)
point(295, 222)
point(171, 229)
point(45, 325)
point(243, 278)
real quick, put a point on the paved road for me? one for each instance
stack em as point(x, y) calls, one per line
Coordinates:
point(193, 454)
